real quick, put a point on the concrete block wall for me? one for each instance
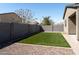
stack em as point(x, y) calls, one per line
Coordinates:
point(54, 28)
point(47, 28)
point(13, 31)
point(58, 28)
point(4, 32)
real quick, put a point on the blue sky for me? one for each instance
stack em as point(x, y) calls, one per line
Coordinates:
point(55, 10)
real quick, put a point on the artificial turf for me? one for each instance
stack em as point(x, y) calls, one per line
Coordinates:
point(49, 39)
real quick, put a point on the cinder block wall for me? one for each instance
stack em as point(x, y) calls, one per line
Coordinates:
point(4, 31)
point(12, 31)
point(54, 28)
point(58, 28)
point(47, 28)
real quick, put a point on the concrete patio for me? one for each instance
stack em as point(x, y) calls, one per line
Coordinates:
point(29, 49)
point(74, 43)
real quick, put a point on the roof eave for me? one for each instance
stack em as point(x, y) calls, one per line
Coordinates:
point(66, 9)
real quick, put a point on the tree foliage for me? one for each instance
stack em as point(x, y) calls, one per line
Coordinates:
point(46, 21)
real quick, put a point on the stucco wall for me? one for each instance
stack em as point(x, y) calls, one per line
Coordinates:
point(72, 25)
point(69, 12)
point(9, 18)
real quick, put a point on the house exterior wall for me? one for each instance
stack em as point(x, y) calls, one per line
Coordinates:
point(72, 25)
point(10, 18)
point(69, 12)
point(77, 24)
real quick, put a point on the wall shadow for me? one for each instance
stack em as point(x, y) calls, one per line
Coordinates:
point(10, 42)
point(13, 32)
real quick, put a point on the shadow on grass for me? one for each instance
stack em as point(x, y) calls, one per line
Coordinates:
point(10, 42)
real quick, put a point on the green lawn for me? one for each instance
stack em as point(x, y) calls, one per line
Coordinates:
point(50, 39)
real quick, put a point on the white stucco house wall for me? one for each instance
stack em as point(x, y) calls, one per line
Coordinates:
point(71, 20)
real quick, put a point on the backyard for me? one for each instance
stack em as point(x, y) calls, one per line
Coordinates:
point(33, 32)
point(45, 38)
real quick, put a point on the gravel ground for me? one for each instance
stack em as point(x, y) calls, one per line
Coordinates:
point(29, 49)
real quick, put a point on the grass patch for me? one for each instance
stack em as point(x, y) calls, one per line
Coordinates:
point(49, 39)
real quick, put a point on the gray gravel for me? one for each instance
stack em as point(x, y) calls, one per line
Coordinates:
point(29, 49)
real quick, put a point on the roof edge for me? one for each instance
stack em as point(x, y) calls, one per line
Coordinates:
point(69, 7)
point(8, 13)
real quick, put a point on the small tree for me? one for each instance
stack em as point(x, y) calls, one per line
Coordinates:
point(25, 14)
point(46, 21)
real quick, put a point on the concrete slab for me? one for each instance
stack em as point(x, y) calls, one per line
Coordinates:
point(30, 49)
point(74, 43)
